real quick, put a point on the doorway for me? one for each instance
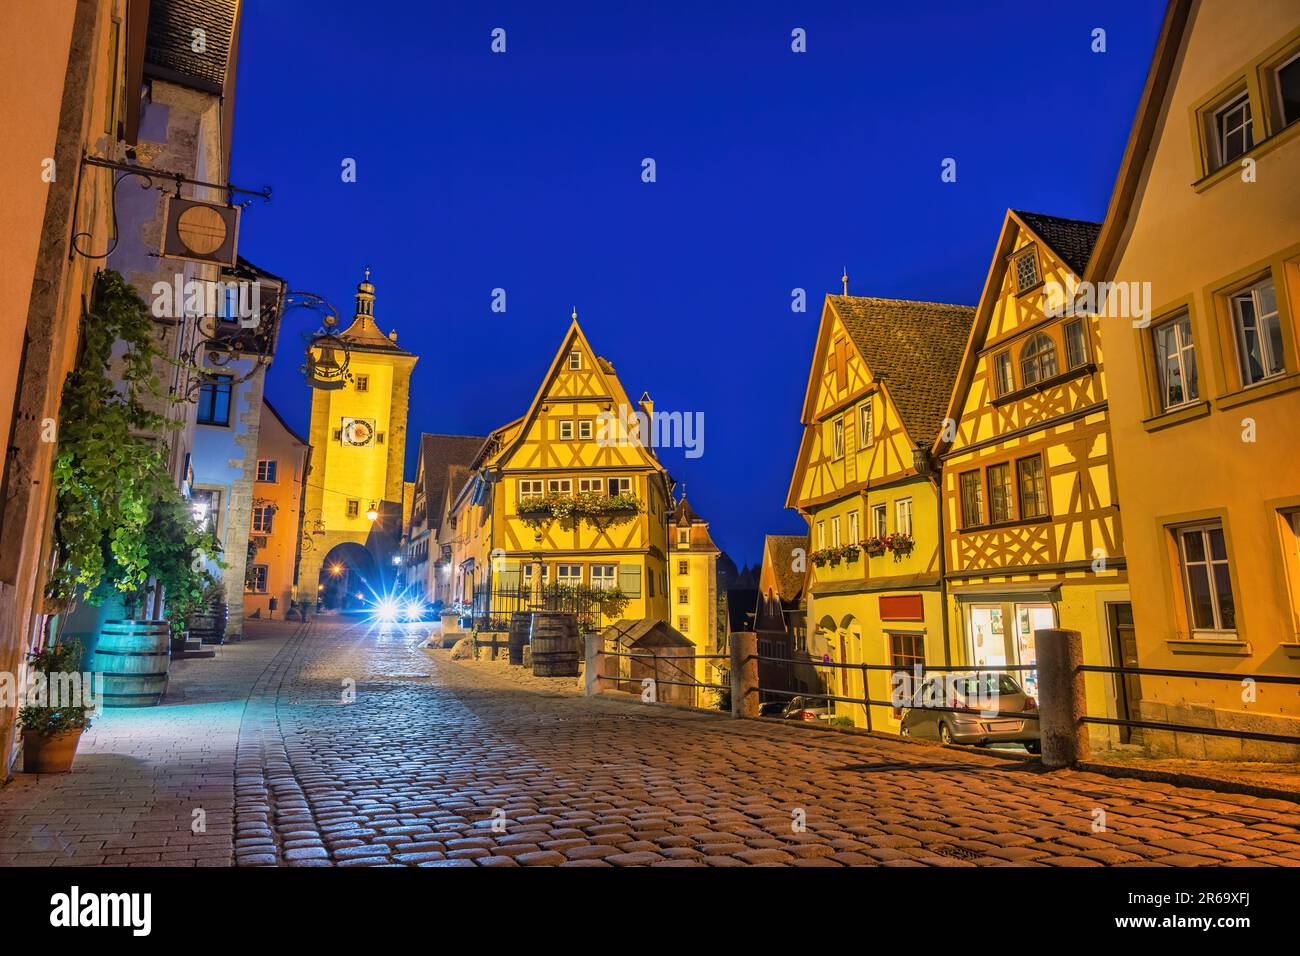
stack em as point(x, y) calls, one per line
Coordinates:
point(1123, 649)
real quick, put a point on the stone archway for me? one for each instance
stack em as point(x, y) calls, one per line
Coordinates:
point(348, 577)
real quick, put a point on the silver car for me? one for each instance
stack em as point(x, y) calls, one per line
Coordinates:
point(1005, 713)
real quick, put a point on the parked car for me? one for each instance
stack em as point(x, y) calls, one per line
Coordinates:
point(808, 708)
point(1007, 713)
point(773, 708)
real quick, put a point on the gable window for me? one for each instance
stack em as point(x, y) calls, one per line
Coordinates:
point(854, 531)
point(1208, 585)
point(903, 516)
point(1234, 135)
point(602, 576)
point(585, 429)
point(575, 360)
point(1076, 344)
point(566, 430)
point(879, 521)
point(1175, 362)
point(214, 401)
point(1026, 268)
point(262, 517)
point(999, 477)
point(866, 425)
point(530, 487)
point(835, 532)
point(1037, 359)
point(972, 499)
point(821, 535)
point(683, 567)
point(266, 468)
point(837, 433)
point(1258, 332)
point(1004, 379)
point(1033, 487)
point(560, 486)
point(362, 383)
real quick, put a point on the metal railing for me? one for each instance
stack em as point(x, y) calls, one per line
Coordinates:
point(492, 607)
point(672, 659)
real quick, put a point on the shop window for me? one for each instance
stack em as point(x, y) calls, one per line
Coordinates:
point(987, 635)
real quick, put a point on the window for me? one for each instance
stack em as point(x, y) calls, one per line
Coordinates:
point(835, 532)
point(1076, 344)
point(683, 567)
point(629, 580)
point(821, 535)
point(262, 517)
point(206, 503)
point(683, 596)
point(1000, 492)
point(568, 575)
point(566, 430)
point(560, 486)
point(214, 401)
point(1033, 487)
point(866, 425)
point(972, 499)
point(528, 575)
point(1004, 380)
point(589, 484)
point(362, 383)
point(683, 624)
point(1258, 332)
point(684, 536)
point(837, 432)
point(586, 429)
point(903, 516)
point(575, 360)
point(1287, 78)
point(530, 488)
point(603, 575)
point(854, 530)
point(1233, 133)
point(1026, 266)
point(620, 486)
point(266, 468)
point(1210, 606)
point(255, 580)
point(879, 521)
point(1037, 359)
point(906, 654)
point(1175, 362)
point(354, 507)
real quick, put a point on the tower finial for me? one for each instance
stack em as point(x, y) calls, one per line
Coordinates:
point(845, 279)
point(575, 313)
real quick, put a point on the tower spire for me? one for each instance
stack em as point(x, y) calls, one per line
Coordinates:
point(365, 298)
point(845, 279)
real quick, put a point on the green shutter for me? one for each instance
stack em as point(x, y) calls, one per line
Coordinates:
point(629, 579)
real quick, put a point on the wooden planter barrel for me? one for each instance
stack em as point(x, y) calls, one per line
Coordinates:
point(133, 656)
point(521, 623)
point(208, 623)
point(554, 641)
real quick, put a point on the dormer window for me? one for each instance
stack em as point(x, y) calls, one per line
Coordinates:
point(1026, 267)
point(575, 361)
point(1037, 360)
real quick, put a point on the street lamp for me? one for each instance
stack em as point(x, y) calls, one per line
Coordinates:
point(372, 512)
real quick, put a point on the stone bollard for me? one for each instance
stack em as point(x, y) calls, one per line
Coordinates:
point(744, 674)
point(1062, 703)
point(593, 669)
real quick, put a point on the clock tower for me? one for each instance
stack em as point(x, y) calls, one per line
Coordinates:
point(353, 500)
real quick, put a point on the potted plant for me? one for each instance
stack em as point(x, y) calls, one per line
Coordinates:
point(56, 715)
point(899, 542)
point(874, 546)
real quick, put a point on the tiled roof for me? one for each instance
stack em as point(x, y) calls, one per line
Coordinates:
point(365, 335)
point(439, 455)
point(1071, 239)
point(916, 347)
point(170, 43)
point(780, 548)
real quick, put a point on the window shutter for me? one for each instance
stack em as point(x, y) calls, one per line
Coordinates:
point(629, 579)
point(509, 578)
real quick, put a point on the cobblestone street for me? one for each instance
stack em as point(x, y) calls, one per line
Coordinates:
point(457, 764)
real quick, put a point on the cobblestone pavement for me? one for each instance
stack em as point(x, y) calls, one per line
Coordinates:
point(441, 763)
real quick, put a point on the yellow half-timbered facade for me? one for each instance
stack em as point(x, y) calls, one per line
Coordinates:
point(881, 375)
point(564, 496)
point(1031, 517)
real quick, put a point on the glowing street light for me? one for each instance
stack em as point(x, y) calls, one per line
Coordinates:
point(372, 512)
point(336, 570)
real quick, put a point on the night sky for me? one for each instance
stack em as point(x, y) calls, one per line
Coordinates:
point(775, 170)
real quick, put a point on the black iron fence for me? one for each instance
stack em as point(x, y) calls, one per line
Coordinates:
point(493, 605)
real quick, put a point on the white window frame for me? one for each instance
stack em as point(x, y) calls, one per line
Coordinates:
point(268, 470)
point(604, 577)
point(879, 520)
point(1221, 133)
point(837, 438)
point(265, 577)
point(586, 428)
point(620, 486)
point(566, 429)
point(1002, 360)
point(589, 485)
point(263, 519)
point(835, 531)
point(1176, 325)
point(855, 532)
point(683, 567)
point(903, 516)
point(683, 595)
point(1277, 90)
point(575, 361)
point(1210, 562)
point(821, 535)
point(1266, 356)
point(866, 424)
point(559, 486)
point(564, 575)
point(530, 488)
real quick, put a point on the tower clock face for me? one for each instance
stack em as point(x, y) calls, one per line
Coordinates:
point(358, 431)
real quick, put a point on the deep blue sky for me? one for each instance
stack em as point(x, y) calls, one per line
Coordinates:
point(775, 170)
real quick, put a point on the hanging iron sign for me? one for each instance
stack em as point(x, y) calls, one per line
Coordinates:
point(200, 231)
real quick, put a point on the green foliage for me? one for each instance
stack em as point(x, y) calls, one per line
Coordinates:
point(176, 551)
point(45, 720)
point(841, 721)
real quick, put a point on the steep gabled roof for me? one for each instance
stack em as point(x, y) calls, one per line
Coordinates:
point(283, 424)
point(1071, 239)
point(439, 454)
point(778, 550)
point(914, 347)
point(169, 49)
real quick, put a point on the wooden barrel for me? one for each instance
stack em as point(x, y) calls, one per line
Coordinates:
point(133, 656)
point(554, 641)
point(208, 623)
point(521, 623)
